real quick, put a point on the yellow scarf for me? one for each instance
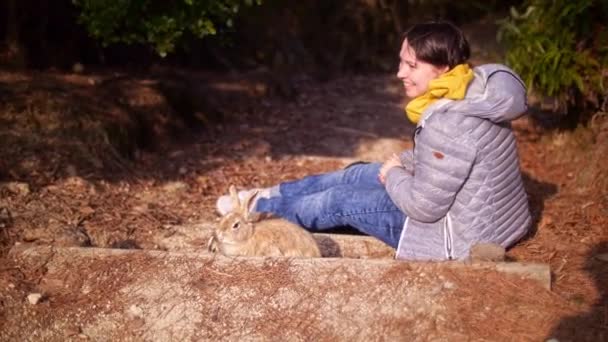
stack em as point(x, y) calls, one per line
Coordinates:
point(452, 85)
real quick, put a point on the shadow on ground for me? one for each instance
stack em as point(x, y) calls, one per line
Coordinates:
point(98, 126)
point(591, 325)
point(538, 193)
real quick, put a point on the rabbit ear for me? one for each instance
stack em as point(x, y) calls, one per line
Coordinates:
point(235, 197)
point(246, 205)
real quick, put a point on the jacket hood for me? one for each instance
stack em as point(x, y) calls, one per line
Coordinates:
point(496, 94)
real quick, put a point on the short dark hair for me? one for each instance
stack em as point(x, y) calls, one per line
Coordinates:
point(439, 43)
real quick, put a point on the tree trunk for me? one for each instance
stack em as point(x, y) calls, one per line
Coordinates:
point(15, 51)
point(398, 11)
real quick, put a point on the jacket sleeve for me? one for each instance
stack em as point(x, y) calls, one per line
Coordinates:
point(407, 160)
point(441, 165)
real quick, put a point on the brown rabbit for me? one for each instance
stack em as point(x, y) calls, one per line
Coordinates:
point(240, 233)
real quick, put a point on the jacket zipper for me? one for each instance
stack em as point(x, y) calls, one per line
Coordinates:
point(447, 237)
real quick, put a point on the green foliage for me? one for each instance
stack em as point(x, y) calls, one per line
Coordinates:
point(560, 48)
point(160, 23)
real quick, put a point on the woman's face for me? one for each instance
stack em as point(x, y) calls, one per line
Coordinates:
point(416, 74)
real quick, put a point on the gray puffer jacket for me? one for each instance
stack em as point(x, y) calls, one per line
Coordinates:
point(462, 184)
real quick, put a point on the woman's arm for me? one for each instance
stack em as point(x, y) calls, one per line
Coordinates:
point(443, 163)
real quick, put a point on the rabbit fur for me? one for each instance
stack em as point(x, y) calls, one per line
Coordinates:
point(242, 233)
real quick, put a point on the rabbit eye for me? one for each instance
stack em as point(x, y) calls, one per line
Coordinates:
point(236, 225)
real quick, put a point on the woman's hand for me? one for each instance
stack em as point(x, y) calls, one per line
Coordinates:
point(390, 163)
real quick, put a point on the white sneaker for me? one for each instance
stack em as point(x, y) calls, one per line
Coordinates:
point(224, 203)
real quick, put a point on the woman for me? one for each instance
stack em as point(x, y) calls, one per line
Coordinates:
point(458, 186)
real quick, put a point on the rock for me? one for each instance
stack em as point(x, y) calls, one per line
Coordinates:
point(34, 298)
point(487, 252)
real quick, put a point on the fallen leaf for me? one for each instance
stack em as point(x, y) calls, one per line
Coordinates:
point(86, 210)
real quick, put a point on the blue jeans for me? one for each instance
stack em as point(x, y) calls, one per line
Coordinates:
point(350, 197)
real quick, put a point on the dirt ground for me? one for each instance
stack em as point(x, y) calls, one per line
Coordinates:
point(110, 159)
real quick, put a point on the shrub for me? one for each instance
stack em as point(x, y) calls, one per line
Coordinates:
point(560, 48)
point(159, 23)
